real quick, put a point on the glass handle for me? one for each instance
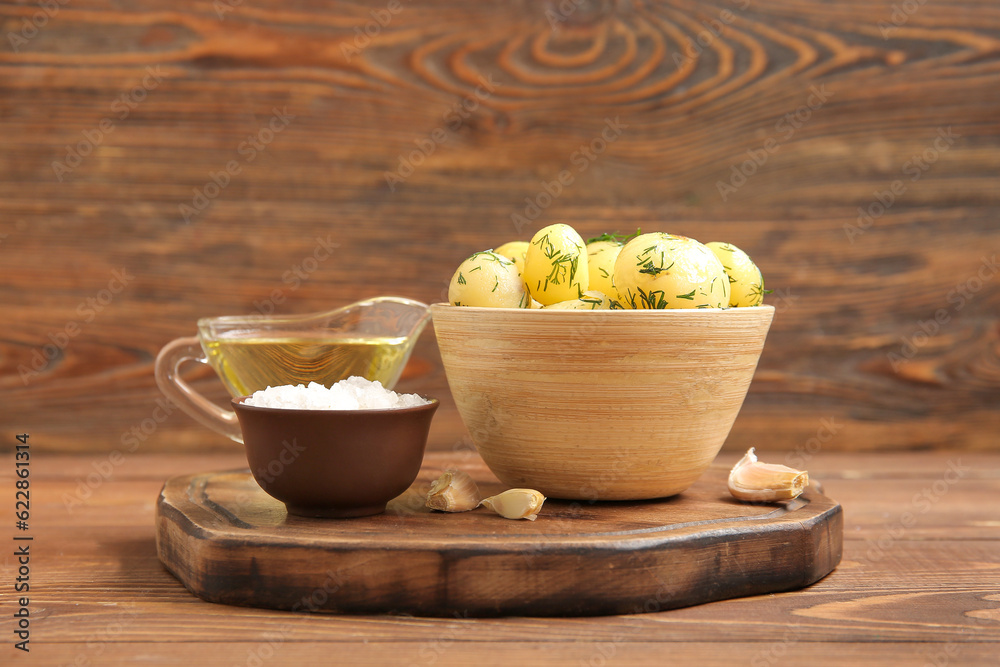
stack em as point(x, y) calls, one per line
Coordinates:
point(168, 378)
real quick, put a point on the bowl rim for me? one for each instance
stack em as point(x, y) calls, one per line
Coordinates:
point(680, 312)
point(238, 402)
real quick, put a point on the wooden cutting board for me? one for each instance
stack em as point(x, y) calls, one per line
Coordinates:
point(228, 542)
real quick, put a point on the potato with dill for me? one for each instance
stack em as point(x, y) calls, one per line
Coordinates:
point(602, 252)
point(555, 267)
point(589, 300)
point(662, 270)
point(601, 256)
point(490, 280)
point(746, 283)
point(515, 251)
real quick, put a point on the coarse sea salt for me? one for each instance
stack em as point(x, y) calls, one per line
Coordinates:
point(354, 393)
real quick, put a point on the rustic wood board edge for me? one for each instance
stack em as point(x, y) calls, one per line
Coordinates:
point(634, 572)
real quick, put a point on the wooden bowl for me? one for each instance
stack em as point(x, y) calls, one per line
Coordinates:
point(599, 405)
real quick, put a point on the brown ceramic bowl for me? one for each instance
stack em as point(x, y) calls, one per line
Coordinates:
point(334, 463)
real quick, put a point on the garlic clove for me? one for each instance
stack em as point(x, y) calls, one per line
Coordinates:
point(765, 482)
point(516, 503)
point(453, 491)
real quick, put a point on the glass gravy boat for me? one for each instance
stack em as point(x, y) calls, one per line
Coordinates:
point(371, 338)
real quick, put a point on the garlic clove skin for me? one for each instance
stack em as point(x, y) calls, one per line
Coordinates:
point(516, 503)
point(454, 491)
point(754, 481)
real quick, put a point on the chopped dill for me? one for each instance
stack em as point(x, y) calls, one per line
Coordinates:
point(620, 239)
point(648, 265)
point(546, 246)
point(653, 299)
point(490, 256)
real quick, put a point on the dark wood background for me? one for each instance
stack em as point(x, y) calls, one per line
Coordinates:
point(845, 305)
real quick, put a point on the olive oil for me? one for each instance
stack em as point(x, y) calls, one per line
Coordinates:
point(250, 362)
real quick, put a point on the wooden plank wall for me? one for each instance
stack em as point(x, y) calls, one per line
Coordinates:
point(852, 147)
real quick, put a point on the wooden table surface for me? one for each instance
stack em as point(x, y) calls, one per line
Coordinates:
point(919, 584)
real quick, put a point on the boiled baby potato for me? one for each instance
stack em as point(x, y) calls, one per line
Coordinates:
point(661, 270)
point(746, 283)
point(589, 300)
point(488, 279)
point(601, 256)
point(514, 250)
point(555, 267)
